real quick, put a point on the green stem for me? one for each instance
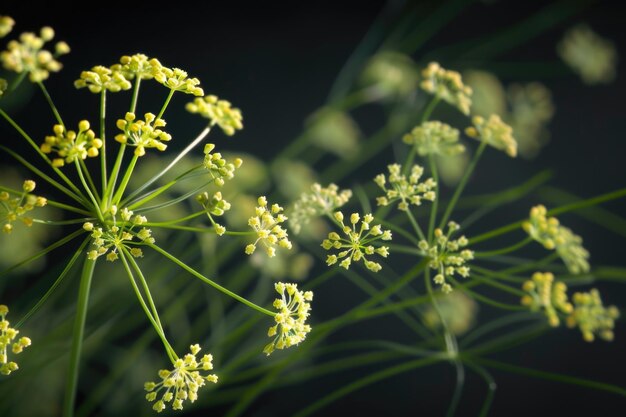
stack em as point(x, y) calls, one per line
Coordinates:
point(71, 384)
point(462, 184)
point(133, 101)
point(434, 207)
point(491, 386)
point(415, 225)
point(107, 197)
point(503, 251)
point(129, 172)
point(103, 151)
point(167, 102)
point(51, 103)
point(211, 282)
point(94, 201)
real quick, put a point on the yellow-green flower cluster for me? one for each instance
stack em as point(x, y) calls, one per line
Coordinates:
point(178, 80)
point(16, 208)
point(293, 310)
point(457, 310)
point(214, 205)
point(407, 191)
point(434, 138)
point(392, 73)
point(318, 202)
point(7, 337)
point(6, 25)
point(28, 55)
point(218, 167)
point(219, 112)
point(547, 295)
point(358, 243)
point(591, 56)
point(334, 131)
point(447, 85)
point(553, 236)
point(142, 134)
point(591, 317)
point(266, 224)
point(103, 78)
point(109, 239)
point(447, 256)
point(71, 146)
point(139, 66)
point(183, 382)
point(494, 132)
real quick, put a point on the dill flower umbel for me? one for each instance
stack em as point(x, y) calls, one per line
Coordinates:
point(16, 208)
point(28, 55)
point(6, 25)
point(358, 244)
point(494, 132)
point(392, 73)
point(102, 78)
point(183, 382)
point(293, 310)
point(447, 256)
point(591, 317)
point(319, 201)
point(553, 236)
point(266, 224)
point(7, 336)
point(448, 86)
point(407, 191)
point(588, 54)
point(177, 80)
point(219, 112)
point(214, 205)
point(219, 168)
point(142, 134)
point(71, 146)
point(547, 295)
point(434, 138)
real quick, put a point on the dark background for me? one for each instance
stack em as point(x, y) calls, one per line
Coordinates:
point(278, 62)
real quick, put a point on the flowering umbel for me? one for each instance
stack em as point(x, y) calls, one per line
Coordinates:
point(71, 146)
point(219, 112)
point(293, 310)
point(16, 208)
point(447, 256)
point(7, 337)
point(182, 382)
point(592, 317)
point(547, 295)
point(447, 85)
point(358, 244)
point(494, 132)
point(318, 202)
point(266, 224)
point(434, 138)
point(405, 190)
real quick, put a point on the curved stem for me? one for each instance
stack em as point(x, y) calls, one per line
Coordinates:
point(103, 151)
point(77, 337)
point(504, 251)
point(51, 103)
point(167, 102)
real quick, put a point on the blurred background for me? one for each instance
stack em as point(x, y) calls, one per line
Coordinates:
point(280, 64)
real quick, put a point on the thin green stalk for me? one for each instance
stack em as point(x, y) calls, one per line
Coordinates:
point(103, 151)
point(141, 200)
point(94, 201)
point(487, 300)
point(500, 286)
point(107, 196)
point(54, 286)
point(433, 210)
point(211, 282)
point(133, 100)
point(415, 225)
point(167, 102)
point(129, 172)
point(504, 251)
point(92, 185)
point(491, 386)
point(458, 388)
point(181, 155)
point(51, 103)
point(156, 323)
point(496, 324)
point(461, 186)
point(32, 143)
point(71, 384)
point(550, 376)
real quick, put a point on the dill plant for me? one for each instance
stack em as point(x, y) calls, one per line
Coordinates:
point(401, 237)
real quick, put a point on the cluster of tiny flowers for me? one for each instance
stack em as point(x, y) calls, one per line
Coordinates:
point(71, 146)
point(447, 256)
point(214, 205)
point(219, 112)
point(293, 310)
point(592, 317)
point(434, 138)
point(138, 66)
point(269, 232)
point(591, 56)
point(448, 86)
point(183, 382)
point(407, 191)
point(218, 167)
point(6, 25)
point(318, 202)
point(552, 235)
point(177, 80)
point(142, 134)
point(7, 337)
point(109, 240)
point(392, 73)
point(358, 243)
point(103, 78)
point(494, 132)
point(547, 295)
point(16, 208)
point(28, 55)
